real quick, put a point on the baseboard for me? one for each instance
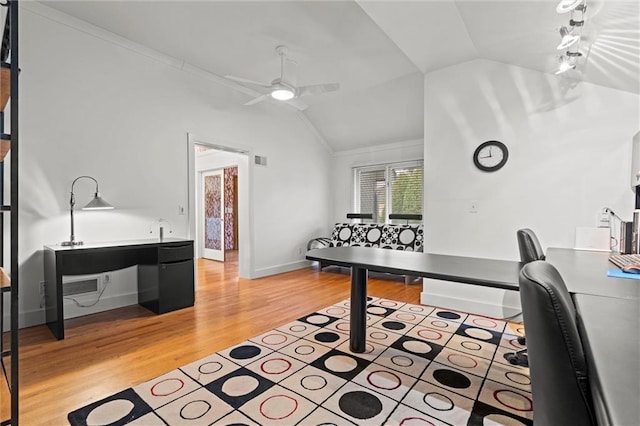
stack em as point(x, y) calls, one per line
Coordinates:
point(279, 269)
point(71, 310)
point(485, 301)
point(37, 316)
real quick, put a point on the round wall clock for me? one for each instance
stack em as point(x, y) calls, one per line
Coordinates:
point(490, 156)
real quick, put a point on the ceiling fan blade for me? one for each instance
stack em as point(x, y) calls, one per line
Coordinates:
point(297, 104)
point(256, 100)
point(245, 80)
point(316, 89)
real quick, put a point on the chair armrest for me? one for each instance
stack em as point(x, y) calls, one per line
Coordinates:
point(320, 242)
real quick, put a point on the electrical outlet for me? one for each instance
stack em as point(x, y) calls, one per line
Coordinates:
point(603, 219)
point(107, 278)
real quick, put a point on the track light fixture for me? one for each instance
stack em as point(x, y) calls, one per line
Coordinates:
point(568, 5)
point(568, 61)
point(567, 38)
point(572, 34)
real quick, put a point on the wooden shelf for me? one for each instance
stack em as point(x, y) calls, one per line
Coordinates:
point(5, 85)
point(5, 145)
point(5, 281)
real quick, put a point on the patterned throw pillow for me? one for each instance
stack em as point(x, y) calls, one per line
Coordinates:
point(402, 237)
point(341, 235)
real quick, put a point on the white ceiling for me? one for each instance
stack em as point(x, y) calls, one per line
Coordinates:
point(377, 50)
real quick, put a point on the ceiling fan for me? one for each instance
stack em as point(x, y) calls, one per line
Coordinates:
point(284, 87)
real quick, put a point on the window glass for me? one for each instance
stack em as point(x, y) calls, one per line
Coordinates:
point(389, 188)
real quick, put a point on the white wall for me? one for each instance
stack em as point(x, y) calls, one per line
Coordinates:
point(345, 161)
point(569, 156)
point(91, 106)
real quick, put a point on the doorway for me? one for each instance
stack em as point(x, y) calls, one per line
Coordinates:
point(217, 208)
point(211, 209)
point(220, 227)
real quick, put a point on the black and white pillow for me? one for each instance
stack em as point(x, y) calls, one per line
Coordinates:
point(341, 235)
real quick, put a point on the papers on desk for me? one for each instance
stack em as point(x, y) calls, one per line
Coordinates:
point(617, 273)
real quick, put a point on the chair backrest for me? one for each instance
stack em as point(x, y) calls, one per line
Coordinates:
point(529, 246)
point(557, 364)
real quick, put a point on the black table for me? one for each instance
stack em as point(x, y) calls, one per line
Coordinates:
point(609, 332)
point(585, 272)
point(468, 270)
point(609, 319)
point(165, 272)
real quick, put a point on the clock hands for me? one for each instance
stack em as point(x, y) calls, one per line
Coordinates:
point(487, 156)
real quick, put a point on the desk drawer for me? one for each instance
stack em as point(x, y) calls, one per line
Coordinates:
point(170, 254)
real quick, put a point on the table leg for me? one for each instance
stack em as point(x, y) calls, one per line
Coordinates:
point(358, 309)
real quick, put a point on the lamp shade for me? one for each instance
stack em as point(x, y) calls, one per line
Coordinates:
point(97, 203)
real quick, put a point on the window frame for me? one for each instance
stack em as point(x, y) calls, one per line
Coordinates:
point(387, 168)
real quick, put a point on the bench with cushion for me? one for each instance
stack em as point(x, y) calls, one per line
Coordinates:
point(379, 235)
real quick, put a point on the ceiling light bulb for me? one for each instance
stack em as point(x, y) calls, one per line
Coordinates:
point(565, 64)
point(282, 94)
point(567, 38)
point(567, 5)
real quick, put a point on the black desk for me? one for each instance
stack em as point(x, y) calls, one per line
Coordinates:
point(585, 272)
point(609, 331)
point(165, 272)
point(469, 270)
point(609, 319)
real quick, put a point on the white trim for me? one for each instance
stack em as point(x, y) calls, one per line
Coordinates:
point(386, 147)
point(486, 301)
point(246, 252)
point(279, 269)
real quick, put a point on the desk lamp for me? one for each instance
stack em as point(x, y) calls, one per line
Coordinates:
point(96, 203)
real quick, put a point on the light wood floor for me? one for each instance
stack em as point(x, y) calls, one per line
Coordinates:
point(111, 351)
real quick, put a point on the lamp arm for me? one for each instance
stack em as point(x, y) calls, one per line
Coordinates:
point(72, 203)
point(80, 177)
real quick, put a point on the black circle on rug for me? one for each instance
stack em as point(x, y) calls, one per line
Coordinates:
point(360, 405)
point(244, 352)
point(451, 378)
point(393, 325)
point(327, 337)
point(448, 315)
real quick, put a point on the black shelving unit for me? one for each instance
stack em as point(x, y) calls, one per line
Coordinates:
point(9, 72)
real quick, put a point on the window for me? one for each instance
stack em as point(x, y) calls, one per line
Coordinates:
point(388, 188)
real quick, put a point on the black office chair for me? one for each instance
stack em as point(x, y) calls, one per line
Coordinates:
point(530, 250)
point(529, 246)
point(557, 364)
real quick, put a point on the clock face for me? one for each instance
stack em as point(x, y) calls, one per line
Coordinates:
point(490, 156)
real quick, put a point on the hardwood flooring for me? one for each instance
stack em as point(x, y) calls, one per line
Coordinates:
point(110, 351)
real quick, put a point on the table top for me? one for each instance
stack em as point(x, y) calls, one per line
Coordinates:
point(469, 270)
point(610, 337)
point(585, 272)
point(121, 243)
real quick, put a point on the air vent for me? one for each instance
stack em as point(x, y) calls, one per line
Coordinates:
point(261, 160)
point(82, 286)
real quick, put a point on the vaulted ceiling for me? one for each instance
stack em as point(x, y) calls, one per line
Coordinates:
point(378, 51)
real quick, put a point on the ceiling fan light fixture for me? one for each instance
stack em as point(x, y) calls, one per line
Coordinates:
point(282, 93)
point(568, 5)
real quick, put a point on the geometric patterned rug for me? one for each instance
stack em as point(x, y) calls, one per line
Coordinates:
point(423, 366)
